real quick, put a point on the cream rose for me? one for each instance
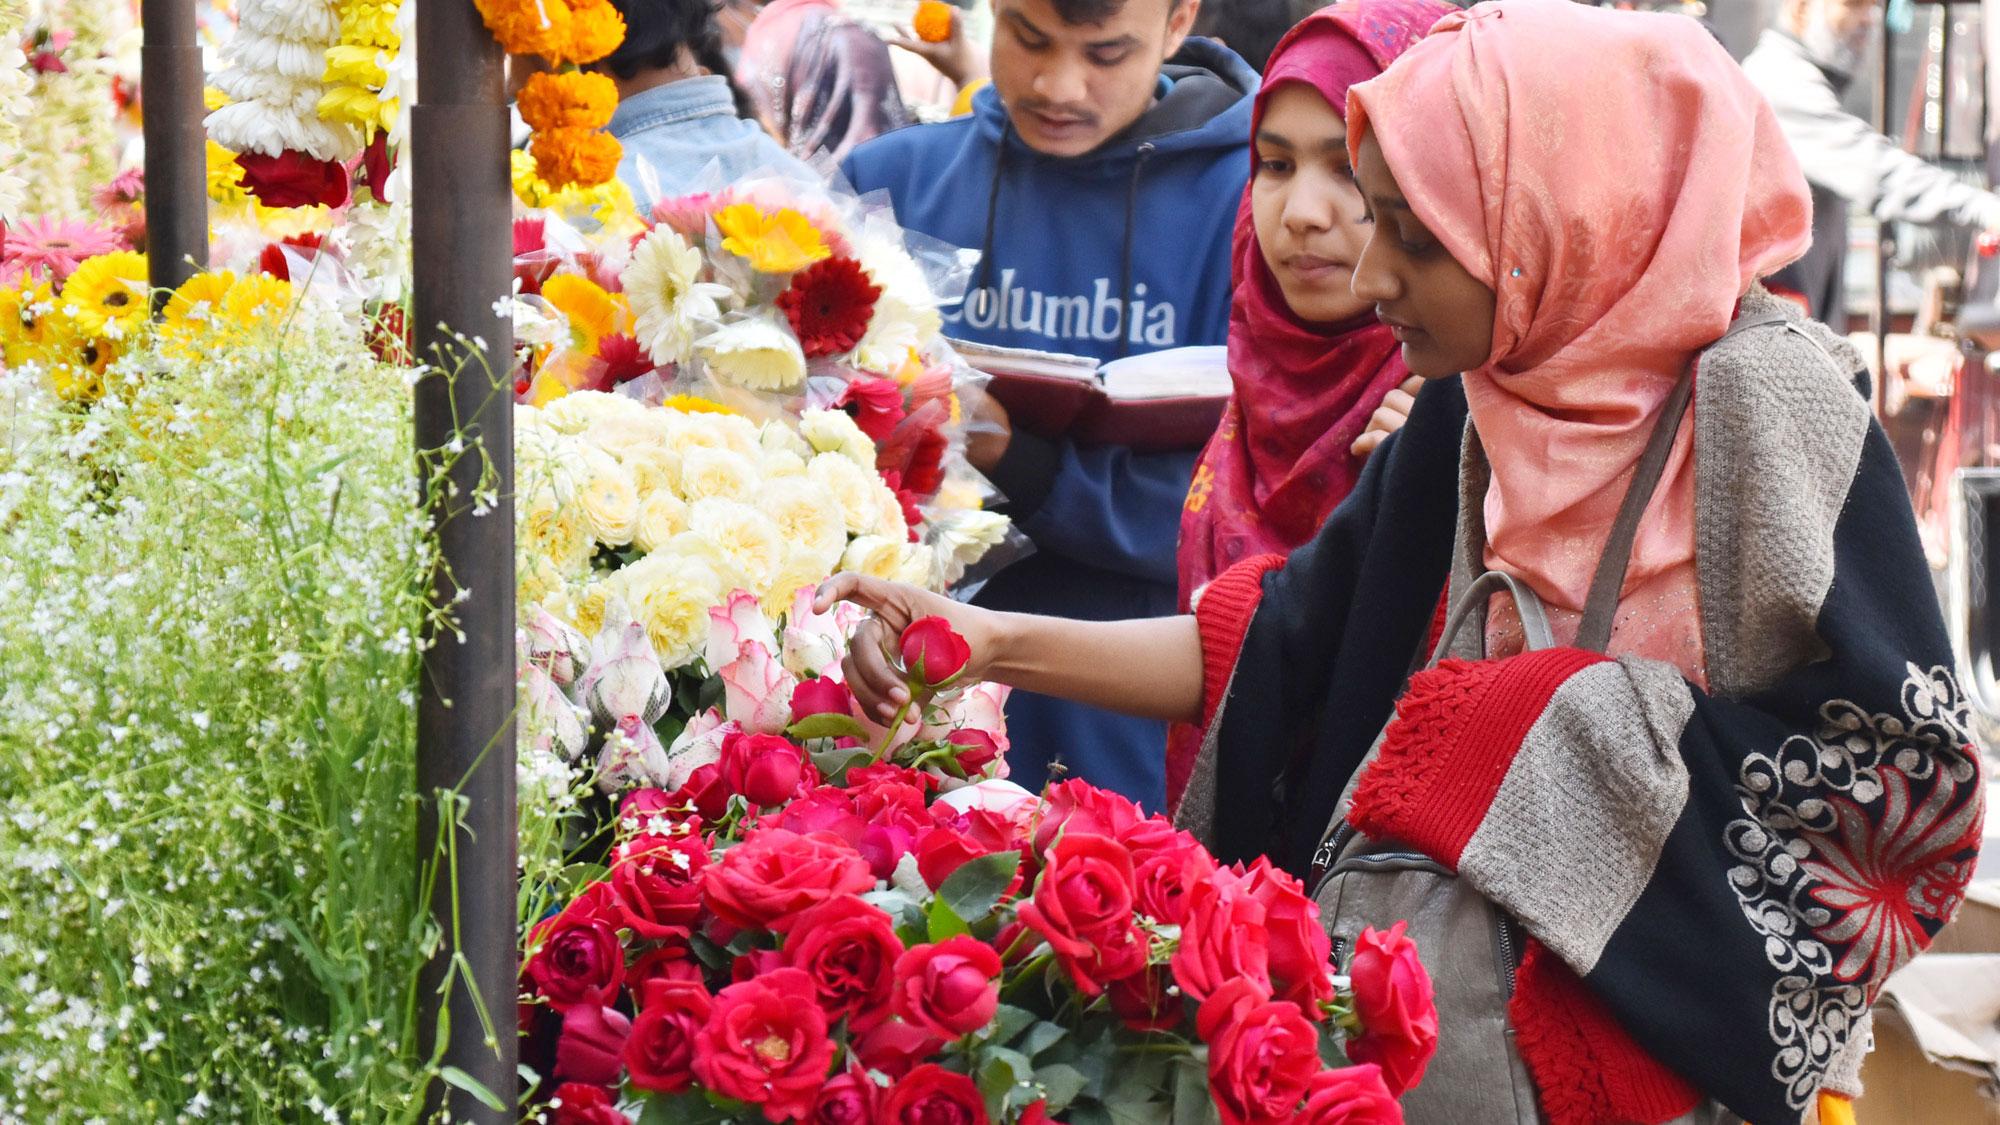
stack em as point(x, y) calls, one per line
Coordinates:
point(918, 566)
point(653, 469)
point(716, 474)
point(832, 431)
point(661, 517)
point(857, 490)
point(744, 534)
point(609, 500)
point(874, 556)
point(670, 592)
point(807, 516)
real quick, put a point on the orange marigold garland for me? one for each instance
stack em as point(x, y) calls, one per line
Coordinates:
point(568, 108)
point(932, 22)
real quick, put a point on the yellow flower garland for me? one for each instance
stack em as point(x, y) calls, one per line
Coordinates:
point(357, 67)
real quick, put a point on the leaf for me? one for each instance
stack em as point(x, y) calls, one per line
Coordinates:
point(945, 923)
point(472, 1086)
point(975, 888)
point(1000, 1071)
point(1193, 1104)
point(1062, 1083)
point(1010, 1021)
point(682, 1109)
point(834, 764)
point(825, 726)
point(1040, 1038)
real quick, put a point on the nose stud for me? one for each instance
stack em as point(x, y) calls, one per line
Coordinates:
point(1515, 272)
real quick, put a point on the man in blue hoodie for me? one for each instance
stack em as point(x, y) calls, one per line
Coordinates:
point(1099, 176)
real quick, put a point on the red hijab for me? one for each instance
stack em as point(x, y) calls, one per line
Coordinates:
point(1280, 460)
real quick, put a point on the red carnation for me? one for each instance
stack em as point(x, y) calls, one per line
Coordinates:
point(829, 304)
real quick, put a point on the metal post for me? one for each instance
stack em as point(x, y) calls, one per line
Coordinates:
point(462, 203)
point(1885, 243)
point(176, 143)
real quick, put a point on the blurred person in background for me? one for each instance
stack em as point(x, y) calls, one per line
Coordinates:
point(820, 81)
point(1251, 28)
point(1803, 66)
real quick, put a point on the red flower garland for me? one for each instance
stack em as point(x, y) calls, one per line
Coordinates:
point(829, 304)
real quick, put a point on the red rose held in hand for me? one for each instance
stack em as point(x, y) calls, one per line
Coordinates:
point(659, 1054)
point(579, 962)
point(932, 652)
point(1083, 907)
point(932, 1095)
point(1222, 936)
point(657, 881)
point(1299, 947)
point(1398, 1009)
point(773, 876)
point(765, 1043)
point(1262, 1053)
point(766, 768)
point(849, 949)
point(948, 988)
point(577, 1103)
point(1351, 1095)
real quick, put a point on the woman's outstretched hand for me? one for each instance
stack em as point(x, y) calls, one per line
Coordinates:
point(873, 676)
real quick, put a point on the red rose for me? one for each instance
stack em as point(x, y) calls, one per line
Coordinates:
point(706, 791)
point(762, 1045)
point(821, 697)
point(1162, 880)
point(767, 769)
point(1142, 1003)
point(881, 773)
point(849, 949)
point(894, 1047)
point(1262, 1053)
point(657, 880)
point(942, 850)
point(672, 963)
point(577, 1103)
point(1083, 907)
point(1037, 1114)
point(1299, 947)
point(659, 1054)
point(884, 846)
point(1222, 936)
point(592, 1045)
point(774, 876)
point(1351, 1095)
point(755, 964)
point(933, 652)
point(293, 179)
point(891, 801)
point(932, 1095)
point(1153, 834)
point(948, 988)
point(377, 164)
point(849, 1099)
point(1079, 806)
point(577, 962)
point(825, 809)
point(637, 809)
point(1398, 1010)
point(597, 901)
point(976, 750)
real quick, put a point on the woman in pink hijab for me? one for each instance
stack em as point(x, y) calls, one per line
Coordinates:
point(1688, 773)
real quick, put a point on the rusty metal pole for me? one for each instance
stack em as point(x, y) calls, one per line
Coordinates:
point(176, 143)
point(462, 245)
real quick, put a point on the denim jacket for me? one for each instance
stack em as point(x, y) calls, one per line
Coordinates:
point(673, 133)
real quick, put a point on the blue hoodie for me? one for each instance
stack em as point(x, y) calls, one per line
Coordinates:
point(1146, 216)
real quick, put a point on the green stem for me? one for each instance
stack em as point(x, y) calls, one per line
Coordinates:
point(889, 739)
point(1030, 971)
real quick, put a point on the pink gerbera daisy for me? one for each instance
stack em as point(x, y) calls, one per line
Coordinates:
point(52, 248)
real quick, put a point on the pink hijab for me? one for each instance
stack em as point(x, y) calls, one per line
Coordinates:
point(1619, 184)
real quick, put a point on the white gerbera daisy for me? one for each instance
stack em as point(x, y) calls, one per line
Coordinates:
point(757, 353)
point(670, 304)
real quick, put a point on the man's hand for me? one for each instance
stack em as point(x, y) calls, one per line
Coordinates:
point(955, 58)
point(988, 430)
point(871, 655)
point(1389, 417)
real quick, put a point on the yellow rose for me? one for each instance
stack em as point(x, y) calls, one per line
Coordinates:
point(661, 517)
point(832, 431)
point(716, 474)
point(874, 556)
point(744, 534)
point(609, 500)
point(808, 517)
point(670, 594)
point(855, 489)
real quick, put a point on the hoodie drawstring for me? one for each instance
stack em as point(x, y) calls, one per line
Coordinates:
point(1125, 257)
point(992, 211)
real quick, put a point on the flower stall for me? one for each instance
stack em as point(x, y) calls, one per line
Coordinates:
point(535, 791)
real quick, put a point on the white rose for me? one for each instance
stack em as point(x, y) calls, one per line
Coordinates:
point(553, 531)
point(808, 516)
point(661, 517)
point(832, 431)
point(671, 592)
point(777, 437)
point(918, 566)
point(874, 556)
point(577, 412)
point(653, 469)
point(609, 500)
point(746, 535)
point(716, 474)
point(857, 490)
point(891, 522)
point(786, 464)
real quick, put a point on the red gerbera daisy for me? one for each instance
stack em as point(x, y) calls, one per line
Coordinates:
point(829, 304)
point(624, 360)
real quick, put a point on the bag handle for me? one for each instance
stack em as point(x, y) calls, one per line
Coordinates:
point(1600, 609)
point(1534, 618)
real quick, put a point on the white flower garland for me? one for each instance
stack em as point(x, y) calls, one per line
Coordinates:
point(14, 106)
point(274, 83)
point(69, 142)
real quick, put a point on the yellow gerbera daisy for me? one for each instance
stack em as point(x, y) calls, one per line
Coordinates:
point(592, 313)
point(257, 299)
point(24, 324)
point(782, 241)
point(108, 290)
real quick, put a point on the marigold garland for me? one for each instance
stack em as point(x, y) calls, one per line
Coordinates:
point(566, 108)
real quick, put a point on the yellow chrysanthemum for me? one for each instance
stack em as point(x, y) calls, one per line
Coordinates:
point(592, 313)
point(225, 178)
point(107, 290)
point(213, 99)
point(782, 241)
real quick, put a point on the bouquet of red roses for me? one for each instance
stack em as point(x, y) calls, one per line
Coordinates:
point(863, 947)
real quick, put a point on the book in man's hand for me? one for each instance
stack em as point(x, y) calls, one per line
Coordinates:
point(1156, 402)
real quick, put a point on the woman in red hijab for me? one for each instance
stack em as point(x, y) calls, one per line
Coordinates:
point(1317, 376)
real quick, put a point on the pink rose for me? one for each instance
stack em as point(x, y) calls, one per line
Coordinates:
point(1002, 798)
point(632, 755)
point(1222, 936)
point(1350, 1095)
point(949, 989)
point(699, 744)
point(625, 681)
point(737, 622)
point(592, 1046)
point(815, 642)
point(1398, 1010)
point(1262, 1053)
point(757, 691)
point(555, 648)
point(767, 769)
